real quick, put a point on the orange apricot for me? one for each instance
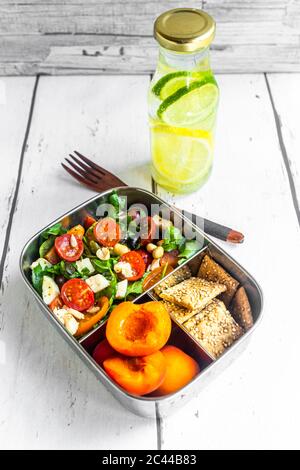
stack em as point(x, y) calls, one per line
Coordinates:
point(181, 369)
point(138, 330)
point(137, 375)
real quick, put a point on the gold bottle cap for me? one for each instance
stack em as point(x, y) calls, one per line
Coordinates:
point(184, 29)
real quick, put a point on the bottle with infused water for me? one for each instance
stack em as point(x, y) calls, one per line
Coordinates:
point(183, 101)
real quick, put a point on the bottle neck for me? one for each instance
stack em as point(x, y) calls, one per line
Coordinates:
point(196, 61)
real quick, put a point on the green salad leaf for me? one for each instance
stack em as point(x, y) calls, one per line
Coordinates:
point(55, 230)
point(173, 239)
point(189, 249)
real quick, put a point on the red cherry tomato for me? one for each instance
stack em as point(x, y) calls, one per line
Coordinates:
point(65, 250)
point(56, 303)
point(88, 221)
point(147, 257)
point(107, 232)
point(103, 351)
point(76, 294)
point(137, 265)
point(147, 230)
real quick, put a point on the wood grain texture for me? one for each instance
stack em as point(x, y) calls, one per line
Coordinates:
point(48, 398)
point(15, 97)
point(285, 90)
point(250, 405)
point(69, 37)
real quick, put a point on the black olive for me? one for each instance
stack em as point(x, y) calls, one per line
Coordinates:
point(60, 280)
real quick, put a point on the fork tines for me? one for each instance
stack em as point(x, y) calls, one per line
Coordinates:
point(89, 173)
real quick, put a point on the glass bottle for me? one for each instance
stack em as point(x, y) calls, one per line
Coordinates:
point(183, 101)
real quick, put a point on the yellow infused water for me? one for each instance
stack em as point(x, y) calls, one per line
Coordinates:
point(183, 101)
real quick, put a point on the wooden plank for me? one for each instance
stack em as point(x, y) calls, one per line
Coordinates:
point(116, 36)
point(247, 406)
point(285, 90)
point(15, 97)
point(48, 397)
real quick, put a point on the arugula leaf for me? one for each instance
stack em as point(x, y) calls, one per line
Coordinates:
point(118, 203)
point(56, 230)
point(135, 287)
point(189, 249)
point(37, 278)
point(173, 239)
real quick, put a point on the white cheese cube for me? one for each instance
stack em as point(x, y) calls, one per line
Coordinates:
point(124, 268)
point(50, 289)
point(60, 314)
point(42, 262)
point(121, 289)
point(97, 283)
point(85, 264)
point(71, 324)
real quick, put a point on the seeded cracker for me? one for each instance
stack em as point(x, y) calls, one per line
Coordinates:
point(194, 293)
point(214, 328)
point(179, 276)
point(212, 271)
point(241, 310)
point(180, 314)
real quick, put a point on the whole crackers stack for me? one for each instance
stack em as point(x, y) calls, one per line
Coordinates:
point(201, 305)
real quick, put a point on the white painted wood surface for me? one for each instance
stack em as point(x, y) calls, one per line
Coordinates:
point(115, 36)
point(47, 397)
point(286, 94)
point(255, 402)
point(15, 97)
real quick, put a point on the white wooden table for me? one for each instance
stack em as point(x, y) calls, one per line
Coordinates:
point(48, 399)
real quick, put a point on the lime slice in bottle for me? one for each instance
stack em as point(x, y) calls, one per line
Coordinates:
point(181, 155)
point(189, 104)
point(168, 84)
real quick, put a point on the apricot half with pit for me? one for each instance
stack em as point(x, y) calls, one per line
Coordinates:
point(138, 329)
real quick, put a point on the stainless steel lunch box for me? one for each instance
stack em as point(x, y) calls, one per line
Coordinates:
point(146, 406)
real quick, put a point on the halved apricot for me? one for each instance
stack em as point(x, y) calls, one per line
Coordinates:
point(181, 369)
point(138, 330)
point(103, 351)
point(137, 375)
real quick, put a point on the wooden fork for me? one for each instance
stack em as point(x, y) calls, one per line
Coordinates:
point(97, 178)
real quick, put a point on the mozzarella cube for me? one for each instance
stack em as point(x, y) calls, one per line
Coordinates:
point(50, 289)
point(42, 262)
point(60, 314)
point(97, 283)
point(121, 289)
point(71, 324)
point(124, 268)
point(85, 264)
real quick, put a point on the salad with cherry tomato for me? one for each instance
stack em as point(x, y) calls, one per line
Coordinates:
point(84, 271)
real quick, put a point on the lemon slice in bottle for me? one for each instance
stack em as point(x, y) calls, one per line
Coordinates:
point(189, 104)
point(179, 154)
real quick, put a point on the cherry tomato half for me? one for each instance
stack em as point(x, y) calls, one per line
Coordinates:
point(147, 230)
point(147, 257)
point(155, 276)
point(65, 250)
point(56, 303)
point(88, 221)
point(137, 264)
point(76, 294)
point(107, 232)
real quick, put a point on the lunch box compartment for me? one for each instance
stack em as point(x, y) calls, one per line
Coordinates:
point(149, 406)
point(177, 338)
point(232, 269)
